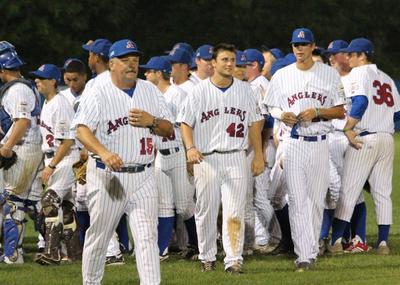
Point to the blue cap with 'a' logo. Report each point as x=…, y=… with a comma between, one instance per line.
x=302, y=35
x=48, y=71
x=99, y=47
x=123, y=47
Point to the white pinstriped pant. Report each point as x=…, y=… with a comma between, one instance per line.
x=221, y=177
x=307, y=176
x=173, y=185
x=373, y=162
x=109, y=195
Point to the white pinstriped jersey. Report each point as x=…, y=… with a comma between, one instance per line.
x=99, y=78
x=295, y=90
x=194, y=78
x=220, y=120
x=338, y=124
x=72, y=98
x=104, y=110
x=261, y=82
x=55, y=121
x=186, y=86
x=174, y=97
x=382, y=94
x=19, y=101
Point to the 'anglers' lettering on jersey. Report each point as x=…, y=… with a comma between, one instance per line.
x=112, y=127
x=306, y=95
x=43, y=125
x=205, y=116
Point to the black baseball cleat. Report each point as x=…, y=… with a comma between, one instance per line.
x=235, y=268
x=303, y=266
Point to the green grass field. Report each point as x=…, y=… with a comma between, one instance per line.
x=348, y=269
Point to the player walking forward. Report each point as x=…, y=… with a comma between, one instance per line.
x=217, y=118
x=369, y=129
x=60, y=154
x=116, y=121
x=306, y=95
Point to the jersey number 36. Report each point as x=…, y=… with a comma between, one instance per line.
x=383, y=94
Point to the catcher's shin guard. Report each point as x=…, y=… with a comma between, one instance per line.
x=71, y=232
x=52, y=212
x=13, y=225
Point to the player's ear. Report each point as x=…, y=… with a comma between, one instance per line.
x=111, y=64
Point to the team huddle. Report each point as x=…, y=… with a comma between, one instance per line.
x=218, y=152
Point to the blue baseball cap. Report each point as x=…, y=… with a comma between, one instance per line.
x=158, y=63
x=123, y=47
x=184, y=46
x=204, y=52
x=180, y=56
x=277, y=53
x=290, y=58
x=359, y=45
x=48, y=71
x=336, y=45
x=99, y=46
x=302, y=35
x=240, y=58
x=253, y=55
x=193, y=64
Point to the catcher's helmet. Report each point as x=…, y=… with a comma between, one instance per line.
x=10, y=60
x=6, y=46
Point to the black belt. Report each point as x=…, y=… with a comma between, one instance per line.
x=168, y=151
x=366, y=133
x=127, y=169
x=49, y=154
x=309, y=138
x=316, y=120
x=221, y=152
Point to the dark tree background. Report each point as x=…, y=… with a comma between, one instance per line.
x=51, y=31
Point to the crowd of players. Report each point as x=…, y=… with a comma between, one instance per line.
x=286, y=207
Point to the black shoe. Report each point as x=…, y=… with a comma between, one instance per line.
x=207, y=266
x=115, y=260
x=190, y=252
x=282, y=249
x=302, y=266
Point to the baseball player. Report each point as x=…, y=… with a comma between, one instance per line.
x=60, y=153
x=216, y=120
x=369, y=129
x=270, y=56
x=240, y=66
x=180, y=60
x=173, y=185
x=203, y=62
x=75, y=78
x=306, y=95
x=338, y=144
x=98, y=64
x=19, y=113
x=117, y=121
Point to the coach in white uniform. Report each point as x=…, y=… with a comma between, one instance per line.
x=117, y=122
x=305, y=95
x=217, y=118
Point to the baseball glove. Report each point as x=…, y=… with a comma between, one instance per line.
x=79, y=169
x=7, y=162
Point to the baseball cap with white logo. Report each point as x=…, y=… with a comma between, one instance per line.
x=48, y=71
x=99, y=46
x=302, y=35
x=123, y=47
x=336, y=45
x=204, y=52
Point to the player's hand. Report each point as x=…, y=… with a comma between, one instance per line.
x=307, y=115
x=140, y=118
x=257, y=165
x=46, y=173
x=352, y=137
x=6, y=152
x=194, y=156
x=289, y=118
x=112, y=161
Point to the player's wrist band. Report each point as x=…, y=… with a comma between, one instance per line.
x=156, y=121
x=51, y=166
x=191, y=147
